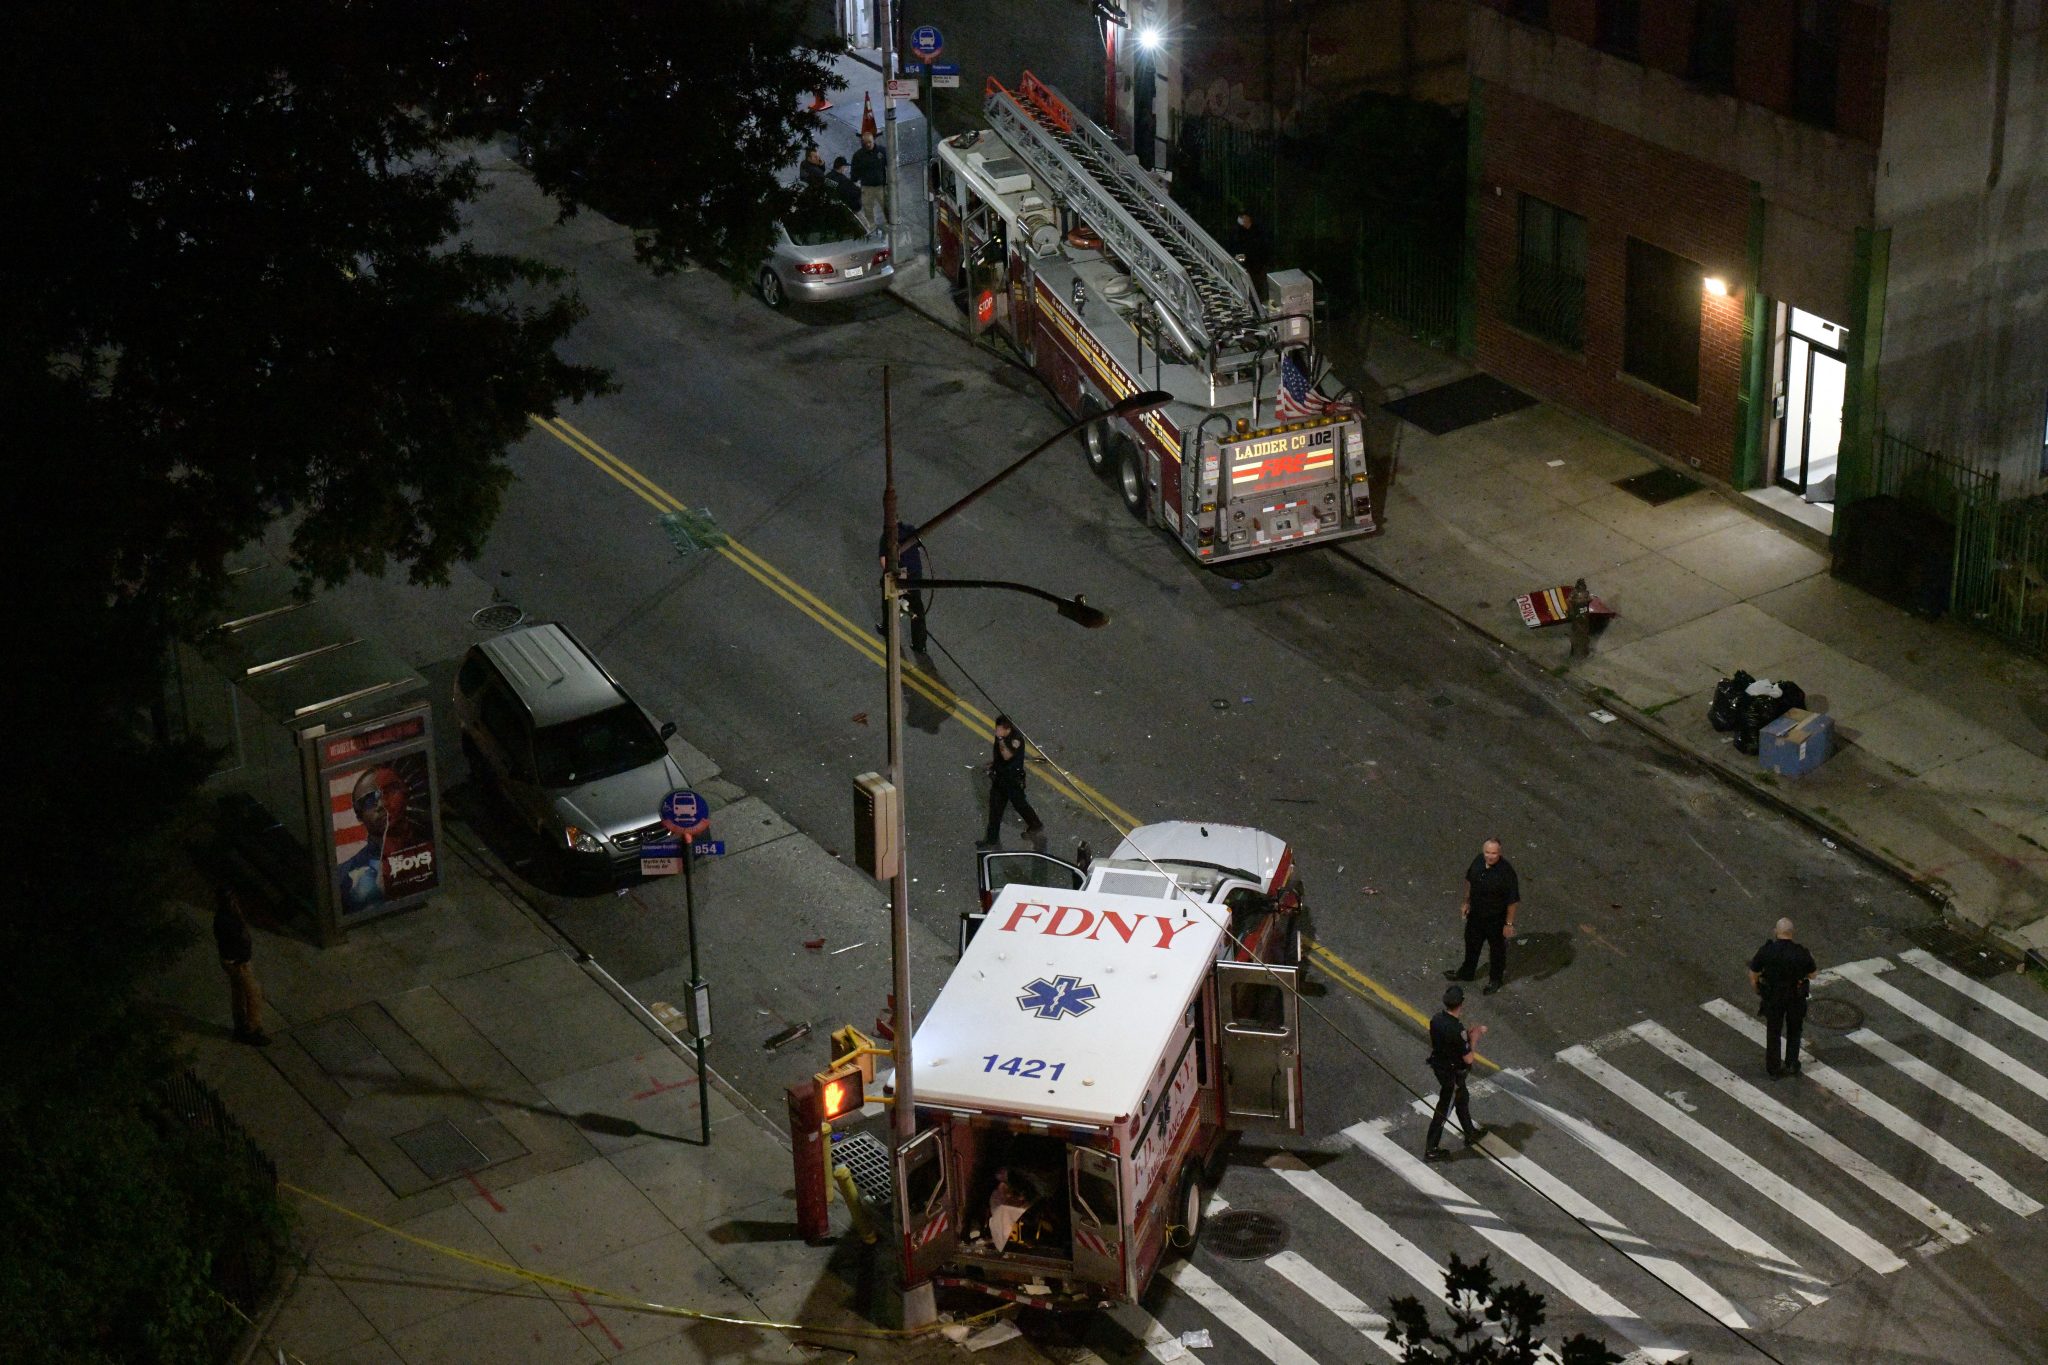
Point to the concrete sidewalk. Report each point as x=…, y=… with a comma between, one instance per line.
x=1941, y=770
x=457, y=1074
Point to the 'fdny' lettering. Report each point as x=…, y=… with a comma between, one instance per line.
x=1075, y=921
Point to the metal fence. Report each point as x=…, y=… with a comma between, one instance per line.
x=1376, y=245
x=242, y=1268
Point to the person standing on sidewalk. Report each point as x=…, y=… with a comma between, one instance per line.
x=1006, y=787
x=1452, y=1050
x=1493, y=894
x=1781, y=974
x=871, y=173
x=231, y=936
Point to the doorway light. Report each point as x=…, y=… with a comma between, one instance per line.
x=1149, y=38
x=1716, y=286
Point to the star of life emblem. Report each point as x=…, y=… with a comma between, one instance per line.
x=1057, y=998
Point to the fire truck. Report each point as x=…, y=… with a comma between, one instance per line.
x=1108, y=1029
x=1076, y=254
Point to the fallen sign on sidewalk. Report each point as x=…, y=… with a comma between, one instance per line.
x=1553, y=605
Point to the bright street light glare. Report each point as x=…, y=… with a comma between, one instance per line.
x=1148, y=38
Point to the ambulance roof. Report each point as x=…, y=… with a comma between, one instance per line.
x=1062, y=1004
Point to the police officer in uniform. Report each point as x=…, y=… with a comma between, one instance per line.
x=1492, y=896
x=1781, y=974
x=1006, y=787
x=1452, y=1050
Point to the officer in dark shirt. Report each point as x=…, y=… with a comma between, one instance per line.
x=1781, y=974
x=910, y=554
x=1452, y=1048
x=1492, y=896
x=1006, y=786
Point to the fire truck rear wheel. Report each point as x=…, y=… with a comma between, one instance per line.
x=1095, y=440
x=1130, y=476
x=1193, y=1198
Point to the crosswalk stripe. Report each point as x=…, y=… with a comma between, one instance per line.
x=1752, y=1173
x=1865, y=976
x=1859, y=1167
x=1162, y=1345
x=1952, y=1090
x=1614, y=1231
x=1369, y=1228
x=1351, y=1309
x=1688, y=1202
x=1372, y=1138
x=1977, y=991
x=1263, y=1336
x=1988, y=1181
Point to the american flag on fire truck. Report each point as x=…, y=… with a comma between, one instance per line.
x=1298, y=399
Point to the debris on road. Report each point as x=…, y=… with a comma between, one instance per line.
x=848, y=948
x=788, y=1036
x=1604, y=717
x=814, y=943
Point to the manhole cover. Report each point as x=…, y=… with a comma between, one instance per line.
x=1242, y=1235
x=441, y=1151
x=1659, y=486
x=1839, y=1015
x=1244, y=570
x=498, y=616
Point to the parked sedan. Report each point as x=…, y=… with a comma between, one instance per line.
x=824, y=253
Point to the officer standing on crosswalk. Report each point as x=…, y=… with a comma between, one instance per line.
x=1781, y=973
x=1452, y=1050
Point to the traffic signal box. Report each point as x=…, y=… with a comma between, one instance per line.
x=840, y=1089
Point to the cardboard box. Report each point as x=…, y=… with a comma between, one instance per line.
x=1796, y=742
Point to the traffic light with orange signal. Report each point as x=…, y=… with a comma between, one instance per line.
x=841, y=1091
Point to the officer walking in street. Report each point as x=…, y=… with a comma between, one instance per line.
x=1452, y=1050
x=1492, y=896
x=1781, y=974
x=1006, y=787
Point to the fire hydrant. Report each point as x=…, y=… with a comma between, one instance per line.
x=1579, y=605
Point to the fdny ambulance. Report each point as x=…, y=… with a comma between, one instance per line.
x=1097, y=1045
x=1076, y=255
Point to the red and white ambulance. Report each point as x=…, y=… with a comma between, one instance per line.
x=1091, y=1054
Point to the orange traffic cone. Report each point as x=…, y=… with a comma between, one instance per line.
x=819, y=104
x=867, y=113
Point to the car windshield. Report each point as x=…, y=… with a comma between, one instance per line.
x=596, y=746
x=818, y=220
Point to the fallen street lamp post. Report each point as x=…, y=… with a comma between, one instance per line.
x=917, y=1306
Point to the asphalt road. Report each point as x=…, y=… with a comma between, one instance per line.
x=1321, y=702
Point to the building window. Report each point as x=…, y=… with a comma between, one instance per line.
x=1661, y=342
x=1550, y=273
x=1713, y=44
x=1616, y=25
x=1816, y=57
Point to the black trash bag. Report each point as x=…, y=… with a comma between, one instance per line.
x=1725, y=712
x=1759, y=711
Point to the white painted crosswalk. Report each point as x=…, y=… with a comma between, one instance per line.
x=1654, y=1186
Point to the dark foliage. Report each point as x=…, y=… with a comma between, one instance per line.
x=1490, y=1323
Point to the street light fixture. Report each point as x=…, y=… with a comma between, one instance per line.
x=917, y=1307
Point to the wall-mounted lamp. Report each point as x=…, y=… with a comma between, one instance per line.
x=1715, y=285
x=1149, y=38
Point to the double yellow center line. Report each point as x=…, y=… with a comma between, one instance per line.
x=919, y=681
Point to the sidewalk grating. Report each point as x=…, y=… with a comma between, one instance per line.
x=441, y=1151
x=1659, y=485
x=1460, y=403
x=868, y=1161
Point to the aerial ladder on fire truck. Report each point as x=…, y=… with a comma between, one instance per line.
x=1202, y=293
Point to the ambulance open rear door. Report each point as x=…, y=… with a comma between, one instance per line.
x=924, y=1195
x=1259, y=1039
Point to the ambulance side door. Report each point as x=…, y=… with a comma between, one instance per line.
x=924, y=1204
x=1258, y=1041
x=1096, y=1200
x=996, y=869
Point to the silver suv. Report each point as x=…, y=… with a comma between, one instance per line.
x=579, y=761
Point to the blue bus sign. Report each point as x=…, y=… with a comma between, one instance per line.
x=926, y=42
x=685, y=813
x=709, y=848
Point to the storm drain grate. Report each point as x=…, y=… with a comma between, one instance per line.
x=441, y=1151
x=339, y=1046
x=1960, y=951
x=868, y=1160
x=1243, y=1235
x=1838, y=1015
x=1659, y=486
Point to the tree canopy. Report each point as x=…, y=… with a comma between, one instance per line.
x=1490, y=1323
x=237, y=295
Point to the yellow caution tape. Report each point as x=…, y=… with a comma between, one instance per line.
x=640, y=1305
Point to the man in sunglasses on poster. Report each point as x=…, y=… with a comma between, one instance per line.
x=397, y=859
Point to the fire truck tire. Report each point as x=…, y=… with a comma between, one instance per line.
x=770, y=289
x=1096, y=440
x=1130, y=476
x=1191, y=1197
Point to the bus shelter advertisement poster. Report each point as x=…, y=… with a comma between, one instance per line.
x=380, y=802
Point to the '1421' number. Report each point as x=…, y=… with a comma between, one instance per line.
x=1028, y=1068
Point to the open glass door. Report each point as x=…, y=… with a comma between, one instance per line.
x=1260, y=1041
x=924, y=1204
x=1095, y=1192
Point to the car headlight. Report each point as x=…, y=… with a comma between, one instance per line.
x=582, y=840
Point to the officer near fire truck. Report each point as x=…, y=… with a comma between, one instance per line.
x=1006, y=787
